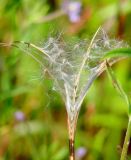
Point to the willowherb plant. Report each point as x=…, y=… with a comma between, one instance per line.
x=73, y=65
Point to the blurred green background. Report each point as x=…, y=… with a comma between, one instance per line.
x=32, y=115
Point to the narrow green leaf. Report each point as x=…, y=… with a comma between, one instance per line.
x=120, y=52
x=118, y=86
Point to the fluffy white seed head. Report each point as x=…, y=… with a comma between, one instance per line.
x=73, y=64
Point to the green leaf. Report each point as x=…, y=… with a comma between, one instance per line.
x=120, y=52
x=118, y=86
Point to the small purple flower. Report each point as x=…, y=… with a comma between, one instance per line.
x=80, y=153
x=19, y=116
x=72, y=9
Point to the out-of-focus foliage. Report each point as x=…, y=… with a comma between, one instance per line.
x=32, y=114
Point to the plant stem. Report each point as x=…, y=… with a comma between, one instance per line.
x=72, y=123
x=71, y=130
x=126, y=141
x=119, y=88
x=72, y=149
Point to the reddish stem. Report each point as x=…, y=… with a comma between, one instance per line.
x=71, y=129
x=72, y=149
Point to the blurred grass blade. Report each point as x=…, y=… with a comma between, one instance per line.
x=120, y=52
x=118, y=86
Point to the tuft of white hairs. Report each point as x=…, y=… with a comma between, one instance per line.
x=73, y=64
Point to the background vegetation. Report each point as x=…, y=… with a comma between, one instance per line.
x=32, y=114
